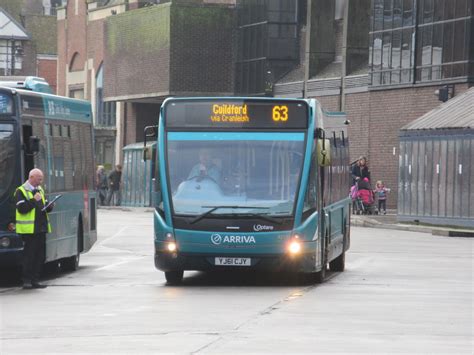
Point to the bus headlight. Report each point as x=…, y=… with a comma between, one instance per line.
x=171, y=246
x=5, y=242
x=295, y=246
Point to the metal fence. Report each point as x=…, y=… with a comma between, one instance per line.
x=436, y=177
x=137, y=176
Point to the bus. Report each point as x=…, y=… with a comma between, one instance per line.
x=54, y=134
x=250, y=183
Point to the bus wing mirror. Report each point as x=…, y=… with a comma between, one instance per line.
x=147, y=153
x=33, y=144
x=323, y=149
x=148, y=132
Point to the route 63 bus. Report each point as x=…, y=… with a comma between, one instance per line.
x=250, y=183
x=55, y=134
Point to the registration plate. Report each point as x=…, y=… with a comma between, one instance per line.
x=232, y=261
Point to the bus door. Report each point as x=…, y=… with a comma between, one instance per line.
x=28, y=154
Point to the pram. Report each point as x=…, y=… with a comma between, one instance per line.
x=362, y=198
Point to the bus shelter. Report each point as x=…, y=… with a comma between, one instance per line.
x=137, y=175
x=436, y=171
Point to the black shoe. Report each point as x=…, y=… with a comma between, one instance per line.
x=37, y=285
x=27, y=285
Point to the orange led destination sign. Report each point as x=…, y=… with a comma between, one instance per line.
x=229, y=113
x=245, y=114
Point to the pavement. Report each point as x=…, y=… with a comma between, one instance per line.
x=388, y=221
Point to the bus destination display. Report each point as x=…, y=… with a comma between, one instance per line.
x=237, y=114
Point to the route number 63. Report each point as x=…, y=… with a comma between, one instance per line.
x=280, y=113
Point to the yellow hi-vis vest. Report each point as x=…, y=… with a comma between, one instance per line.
x=25, y=222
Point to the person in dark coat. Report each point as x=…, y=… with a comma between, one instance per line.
x=101, y=185
x=360, y=170
x=115, y=178
x=32, y=224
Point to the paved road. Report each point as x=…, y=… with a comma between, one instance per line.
x=401, y=292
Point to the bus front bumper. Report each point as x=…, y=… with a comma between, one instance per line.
x=166, y=261
x=11, y=255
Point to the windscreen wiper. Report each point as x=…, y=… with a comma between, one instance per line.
x=257, y=215
x=214, y=208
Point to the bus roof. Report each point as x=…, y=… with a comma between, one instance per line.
x=52, y=106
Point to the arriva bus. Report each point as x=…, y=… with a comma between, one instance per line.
x=251, y=183
x=54, y=134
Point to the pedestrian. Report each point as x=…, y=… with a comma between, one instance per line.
x=115, y=178
x=101, y=185
x=360, y=170
x=32, y=224
x=381, y=193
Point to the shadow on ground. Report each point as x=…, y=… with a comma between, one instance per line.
x=238, y=278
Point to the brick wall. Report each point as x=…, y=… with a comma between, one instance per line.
x=47, y=68
x=62, y=57
x=137, y=52
x=376, y=118
x=357, y=109
x=329, y=103
x=202, y=50
x=389, y=110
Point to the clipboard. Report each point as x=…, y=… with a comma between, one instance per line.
x=57, y=197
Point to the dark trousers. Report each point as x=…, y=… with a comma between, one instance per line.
x=383, y=205
x=33, y=256
x=114, y=198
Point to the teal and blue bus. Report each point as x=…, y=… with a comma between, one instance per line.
x=251, y=183
x=54, y=134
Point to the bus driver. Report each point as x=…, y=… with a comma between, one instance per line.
x=205, y=167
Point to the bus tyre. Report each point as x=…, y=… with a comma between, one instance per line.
x=174, y=277
x=72, y=263
x=338, y=264
x=320, y=276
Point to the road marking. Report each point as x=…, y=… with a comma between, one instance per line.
x=111, y=266
x=114, y=236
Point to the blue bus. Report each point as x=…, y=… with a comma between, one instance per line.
x=251, y=183
x=54, y=134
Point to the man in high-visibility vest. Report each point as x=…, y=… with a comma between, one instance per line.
x=32, y=223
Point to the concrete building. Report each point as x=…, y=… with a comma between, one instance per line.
x=414, y=48
x=128, y=56
x=28, y=39
x=380, y=61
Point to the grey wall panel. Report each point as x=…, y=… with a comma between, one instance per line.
x=450, y=176
x=471, y=178
x=414, y=178
x=436, y=174
x=443, y=175
x=429, y=173
x=421, y=166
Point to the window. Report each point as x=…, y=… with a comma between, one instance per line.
x=105, y=111
x=439, y=34
x=311, y=196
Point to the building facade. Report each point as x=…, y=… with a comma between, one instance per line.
x=28, y=39
x=415, y=47
x=126, y=57
x=380, y=61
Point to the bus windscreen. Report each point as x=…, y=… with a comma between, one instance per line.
x=232, y=114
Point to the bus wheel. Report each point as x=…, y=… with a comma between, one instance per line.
x=72, y=263
x=338, y=264
x=320, y=276
x=174, y=277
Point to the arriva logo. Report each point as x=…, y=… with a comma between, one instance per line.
x=261, y=227
x=217, y=239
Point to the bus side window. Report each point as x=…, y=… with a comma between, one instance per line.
x=311, y=196
x=157, y=193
